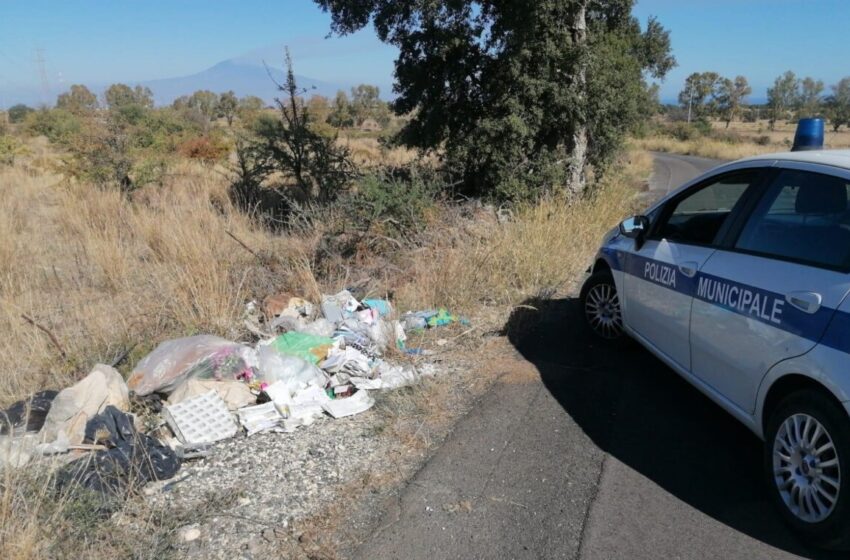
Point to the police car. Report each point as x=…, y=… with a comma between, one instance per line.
x=739, y=281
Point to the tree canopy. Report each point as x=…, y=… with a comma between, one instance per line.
x=515, y=92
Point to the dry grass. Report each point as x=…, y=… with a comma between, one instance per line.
x=540, y=251
x=103, y=273
x=740, y=140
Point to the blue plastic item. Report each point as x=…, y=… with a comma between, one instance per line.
x=809, y=135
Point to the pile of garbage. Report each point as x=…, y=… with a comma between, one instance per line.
x=310, y=362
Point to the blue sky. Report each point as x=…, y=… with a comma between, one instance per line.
x=99, y=41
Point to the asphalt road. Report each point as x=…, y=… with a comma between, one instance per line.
x=588, y=451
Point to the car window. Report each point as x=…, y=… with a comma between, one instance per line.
x=698, y=217
x=802, y=216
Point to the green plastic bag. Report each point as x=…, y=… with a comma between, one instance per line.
x=305, y=346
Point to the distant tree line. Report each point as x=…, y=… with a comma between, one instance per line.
x=708, y=94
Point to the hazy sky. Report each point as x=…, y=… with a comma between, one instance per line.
x=99, y=41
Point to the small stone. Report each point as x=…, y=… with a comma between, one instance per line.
x=188, y=534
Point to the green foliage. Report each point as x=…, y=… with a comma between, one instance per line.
x=504, y=85
x=729, y=96
x=837, y=104
x=78, y=100
x=288, y=145
x=9, y=149
x=226, y=106
x=121, y=95
x=340, y=115
x=17, y=113
x=395, y=204
x=809, y=98
x=782, y=97
x=249, y=110
x=698, y=95
x=58, y=125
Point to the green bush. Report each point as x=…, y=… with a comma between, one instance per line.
x=58, y=125
x=394, y=204
x=9, y=148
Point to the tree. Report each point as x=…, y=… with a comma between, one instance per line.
x=510, y=89
x=79, y=100
x=837, y=104
x=205, y=102
x=288, y=145
x=250, y=108
x=341, y=111
x=121, y=95
x=320, y=109
x=729, y=96
x=698, y=95
x=17, y=113
x=809, y=97
x=227, y=105
x=364, y=102
x=782, y=96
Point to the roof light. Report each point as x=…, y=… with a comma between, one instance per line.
x=809, y=135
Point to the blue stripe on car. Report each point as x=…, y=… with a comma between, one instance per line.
x=761, y=305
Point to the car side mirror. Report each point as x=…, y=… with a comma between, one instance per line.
x=635, y=227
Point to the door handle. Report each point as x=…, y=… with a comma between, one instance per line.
x=808, y=302
x=689, y=268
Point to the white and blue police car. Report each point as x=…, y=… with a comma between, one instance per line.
x=739, y=281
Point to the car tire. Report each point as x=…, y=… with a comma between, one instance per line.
x=802, y=424
x=600, y=306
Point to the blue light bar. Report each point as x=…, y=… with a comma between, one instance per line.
x=809, y=135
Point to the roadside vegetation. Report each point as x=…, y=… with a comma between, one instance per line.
x=123, y=224
x=714, y=120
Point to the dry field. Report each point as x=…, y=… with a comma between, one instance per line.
x=88, y=275
x=739, y=140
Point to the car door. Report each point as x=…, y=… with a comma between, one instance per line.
x=662, y=270
x=770, y=293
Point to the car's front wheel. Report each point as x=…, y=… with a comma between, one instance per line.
x=807, y=465
x=601, y=305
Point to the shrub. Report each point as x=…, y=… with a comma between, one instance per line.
x=206, y=149
x=9, y=148
x=394, y=203
x=58, y=125
x=17, y=113
x=763, y=140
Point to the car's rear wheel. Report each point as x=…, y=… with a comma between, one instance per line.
x=601, y=305
x=807, y=466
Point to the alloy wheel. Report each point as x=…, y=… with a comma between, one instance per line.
x=602, y=308
x=806, y=468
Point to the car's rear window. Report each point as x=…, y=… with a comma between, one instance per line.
x=803, y=216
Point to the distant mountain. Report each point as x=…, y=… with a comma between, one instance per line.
x=244, y=78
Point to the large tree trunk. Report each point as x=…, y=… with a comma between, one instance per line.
x=578, y=141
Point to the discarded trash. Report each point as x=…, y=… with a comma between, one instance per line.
x=201, y=419
x=259, y=418
x=280, y=395
x=287, y=305
x=382, y=306
x=308, y=347
x=349, y=361
x=27, y=415
x=441, y=318
x=202, y=357
x=319, y=327
x=235, y=394
x=130, y=460
x=306, y=407
x=293, y=370
x=340, y=408
x=73, y=407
